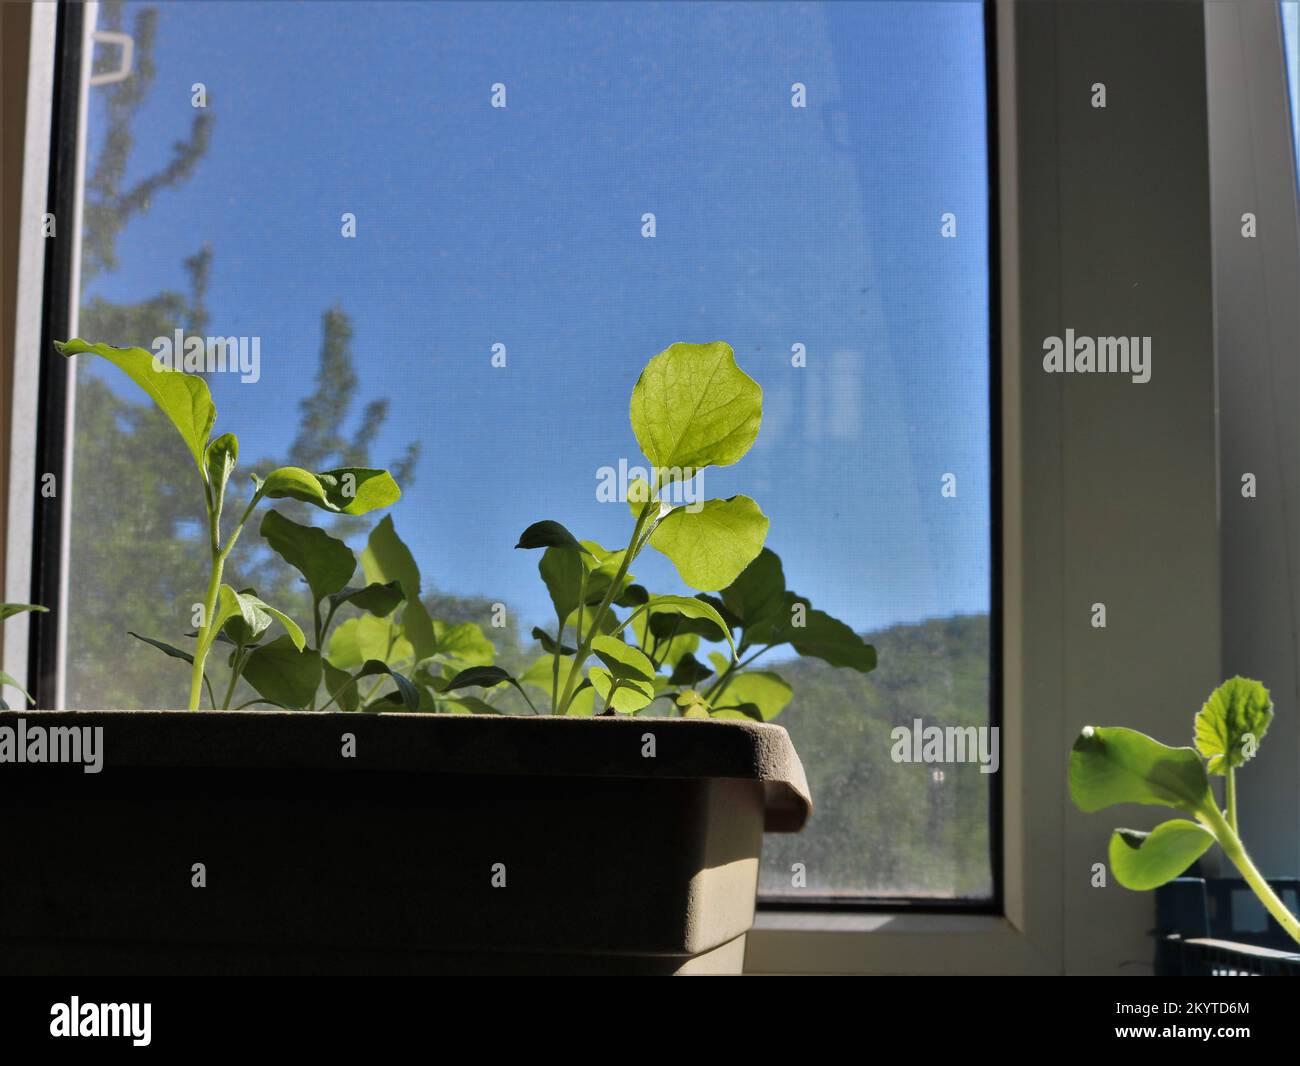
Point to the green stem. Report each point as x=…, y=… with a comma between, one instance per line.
x=1230, y=797
x=1236, y=851
x=201, y=647
x=555, y=660
x=720, y=686
x=207, y=634
x=584, y=647
x=236, y=669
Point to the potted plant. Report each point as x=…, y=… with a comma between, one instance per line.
x=614, y=824
x=1111, y=764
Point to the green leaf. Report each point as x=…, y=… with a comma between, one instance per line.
x=602, y=566
x=8, y=610
x=386, y=558
x=231, y=604
x=5, y=679
x=471, y=705
x=630, y=694
x=539, y=674
x=340, y=685
x=758, y=595
x=482, y=676
x=548, y=643
x=826, y=638
x=368, y=637
x=693, y=407
x=347, y=490
x=169, y=649
x=548, y=534
x=284, y=674
x=1234, y=718
x=632, y=596
x=1142, y=861
x=325, y=561
x=219, y=461
x=463, y=644
x=410, y=695
x=562, y=572
x=693, y=704
x=183, y=398
x=702, y=618
x=624, y=661
x=1111, y=764
x=710, y=547
x=765, y=693
x=689, y=671
x=379, y=600
x=254, y=619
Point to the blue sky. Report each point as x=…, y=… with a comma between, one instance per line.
x=475, y=226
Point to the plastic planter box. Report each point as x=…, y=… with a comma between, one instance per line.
x=445, y=844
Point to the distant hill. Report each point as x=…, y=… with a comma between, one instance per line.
x=878, y=826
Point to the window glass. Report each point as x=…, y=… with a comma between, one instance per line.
x=334, y=182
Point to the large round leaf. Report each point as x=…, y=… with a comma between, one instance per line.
x=710, y=547
x=1111, y=764
x=693, y=407
x=1144, y=861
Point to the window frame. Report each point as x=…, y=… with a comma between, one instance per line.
x=1042, y=927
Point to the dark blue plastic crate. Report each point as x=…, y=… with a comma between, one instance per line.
x=1216, y=927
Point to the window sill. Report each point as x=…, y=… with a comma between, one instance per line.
x=803, y=942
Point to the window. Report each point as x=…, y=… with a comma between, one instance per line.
x=809, y=182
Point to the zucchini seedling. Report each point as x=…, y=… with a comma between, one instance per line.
x=1111, y=764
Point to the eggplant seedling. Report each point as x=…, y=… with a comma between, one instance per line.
x=239, y=617
x=691, y=408
x=1110, y=764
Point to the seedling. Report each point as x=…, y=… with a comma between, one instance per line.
x=1110, y=765
x=691, y=408
x=7, y=610
x=240, y=617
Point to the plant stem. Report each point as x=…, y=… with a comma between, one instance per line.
x=720, y=686
x=1236, y=851
x=201, y=647
x=1230, y=797
x=207, y=635
x=235, y=670
x=555, y=660
x=584, y=648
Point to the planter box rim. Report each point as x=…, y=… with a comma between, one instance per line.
x=401, y=742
